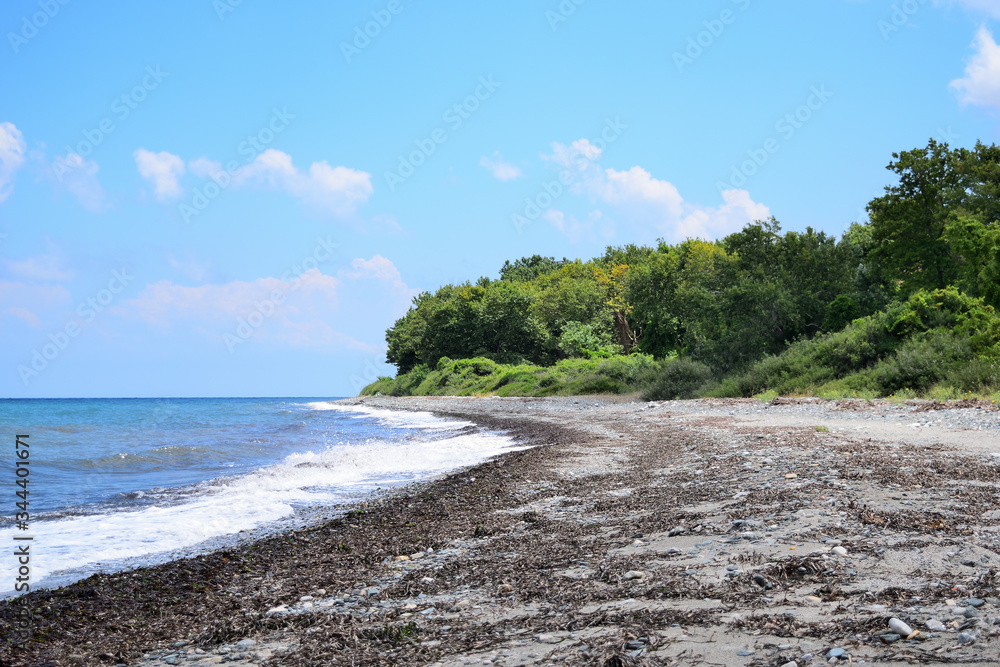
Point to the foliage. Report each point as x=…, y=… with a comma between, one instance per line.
x=905, y=302
x=676, y=378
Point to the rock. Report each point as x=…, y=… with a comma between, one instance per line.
x=790, y=663
x=633, y=574
x=634, y=645
x=305, y=598
x=179, y=644
x=969, y=563
x=276, y=610
x=744, y=654
x=890, y=638
x=971, y=613
x=399, y=558
x=967, y=637
x=975, y=602
x=840, y=551
x=175, y=660
x=760, y=580
x=836, y=653
x=417, y=556
x=899, y=627
x=246, y=643
x=935, y=625
x=547, y=639
x=677, y=530
x=791, y=475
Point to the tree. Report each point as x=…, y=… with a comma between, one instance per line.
x=909, y=221
x=529, y=268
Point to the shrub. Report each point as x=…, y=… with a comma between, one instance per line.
x=680, y=378
x=922, y=361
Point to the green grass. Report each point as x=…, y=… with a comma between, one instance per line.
x=484, y=377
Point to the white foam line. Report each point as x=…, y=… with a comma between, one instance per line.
x=396, y=418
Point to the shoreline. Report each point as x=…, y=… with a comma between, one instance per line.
x=572, y=550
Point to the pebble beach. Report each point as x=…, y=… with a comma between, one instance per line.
x=728, y=532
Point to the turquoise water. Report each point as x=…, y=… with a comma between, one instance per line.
x=118, y=479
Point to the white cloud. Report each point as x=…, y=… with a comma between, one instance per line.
x=335, y=190
x=981, y=84
x=25, y=316
x=204, y=168
x=711, y=223
x=639, y=198
x=501, y=170
x=989, y=7
x=12, y=149
x=311, y=310
x=24, y=301
x=161, y=170
x=161, y=303
x=41, y=267
x=78, y=176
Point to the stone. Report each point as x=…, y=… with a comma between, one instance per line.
x=744, y=654
x=840, y=551
x=791, y=475
x=790, y=663
x=935, y=625
x=547, y=639
x=975, y=602
x=966, y=637
x=836, y=653
x=760, y=580
x=677, y=530
x=899, y=627
x=633, y=574
x=889, y=638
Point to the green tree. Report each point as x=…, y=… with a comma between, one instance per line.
x=909, y=221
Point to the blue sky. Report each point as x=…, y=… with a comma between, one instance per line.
x=222, y=198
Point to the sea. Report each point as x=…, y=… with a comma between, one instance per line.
x=118, y=483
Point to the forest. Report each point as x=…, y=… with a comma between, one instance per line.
x=903, y=305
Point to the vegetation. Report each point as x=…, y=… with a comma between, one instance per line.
x=902, y=305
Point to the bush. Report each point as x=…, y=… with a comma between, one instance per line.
x=923, y=361
x=680, y=378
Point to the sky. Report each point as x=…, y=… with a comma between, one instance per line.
x=237, y=198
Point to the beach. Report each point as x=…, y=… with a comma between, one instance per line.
x=727, y=532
